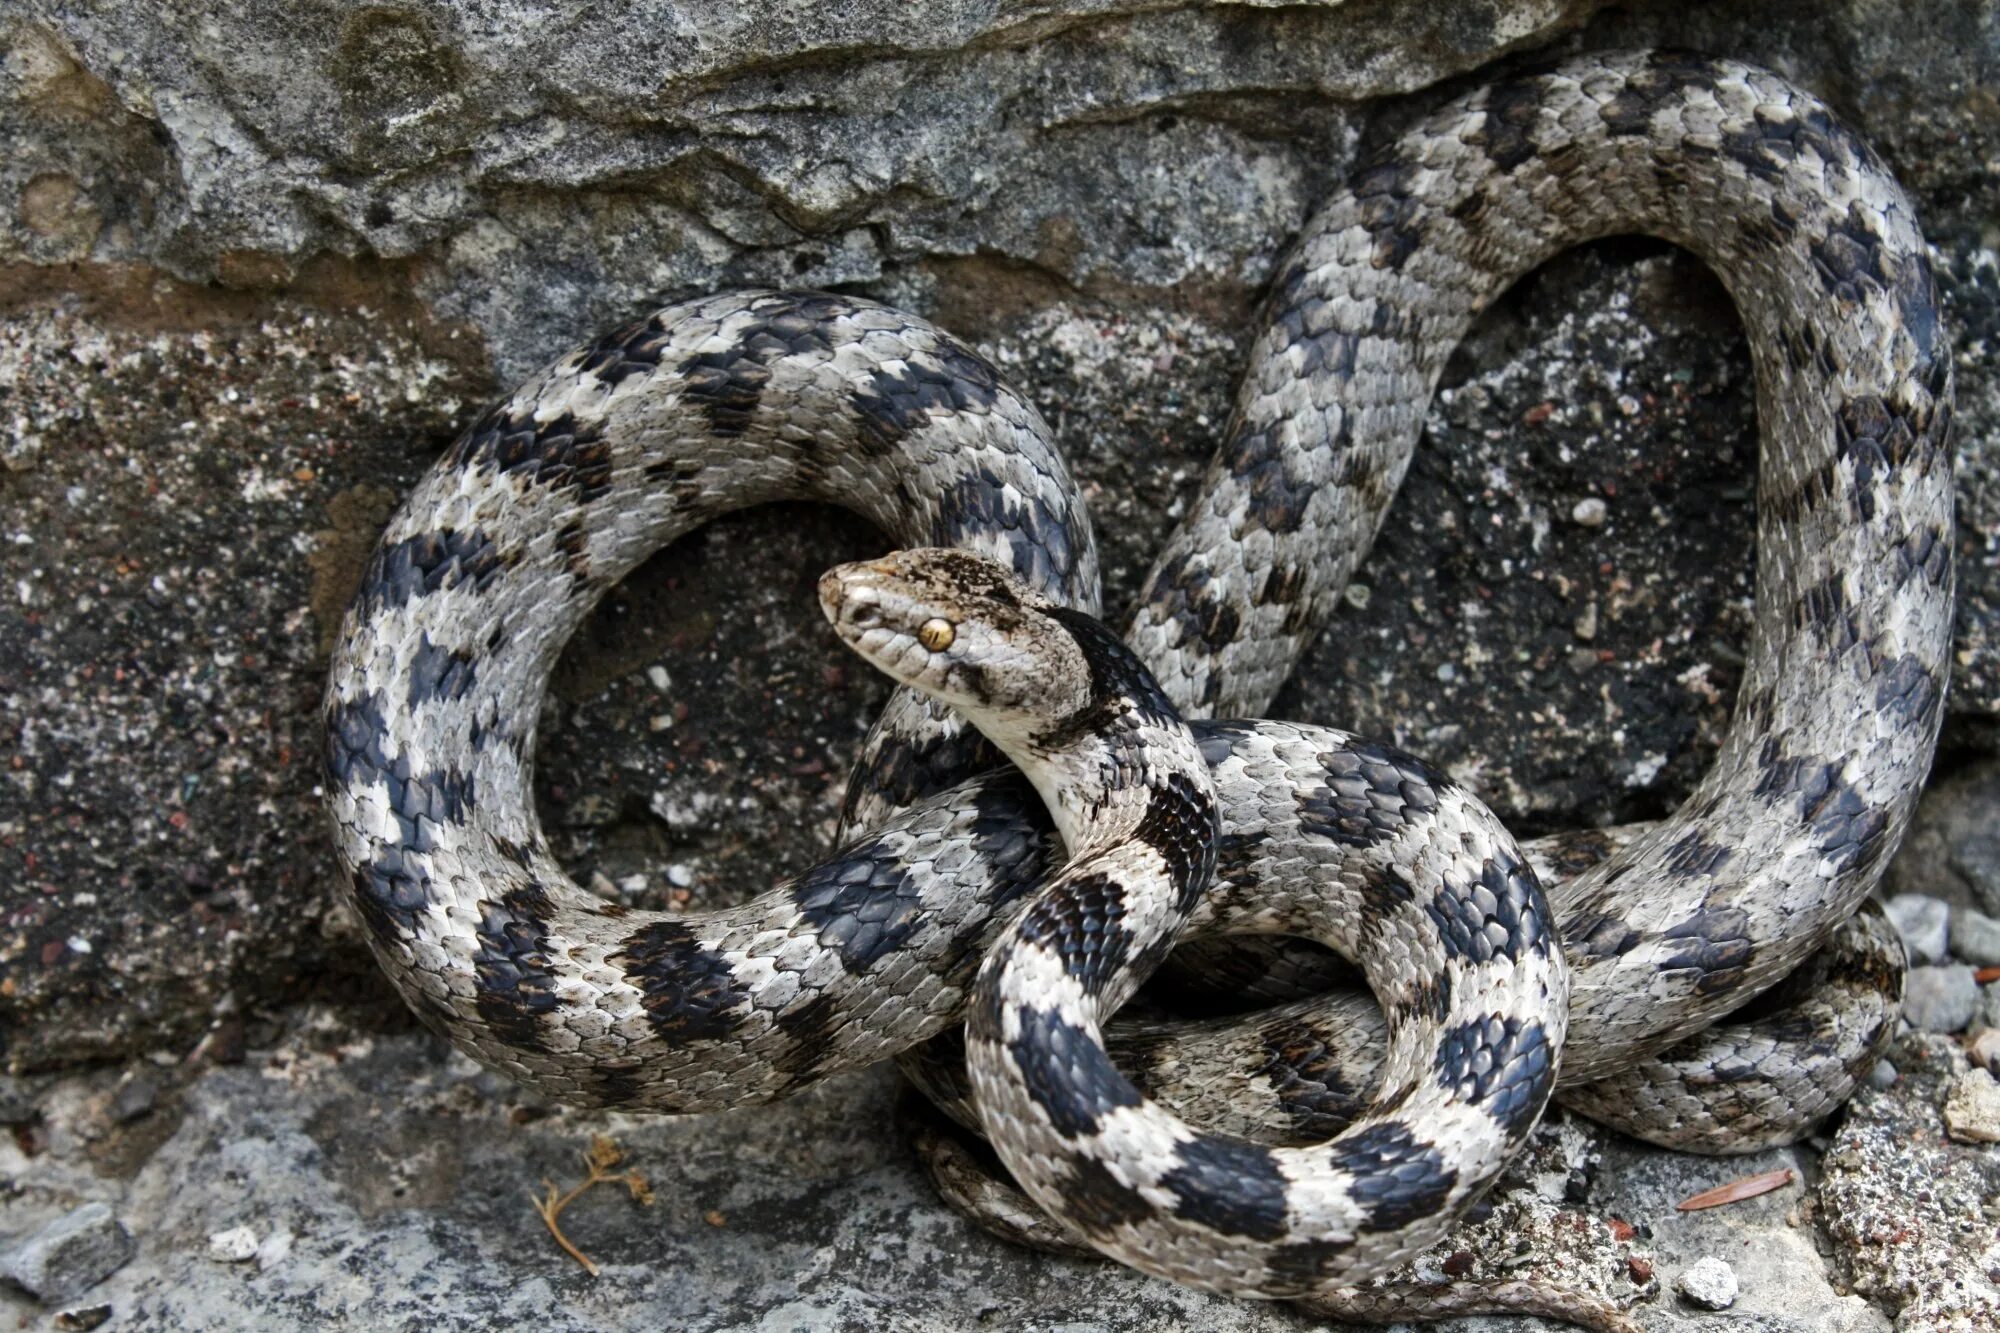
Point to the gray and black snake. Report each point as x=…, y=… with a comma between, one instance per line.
x=555, y=494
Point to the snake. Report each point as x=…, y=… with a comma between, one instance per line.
x=626, y=443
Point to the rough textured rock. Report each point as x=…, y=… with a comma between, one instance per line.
x=70, y=1255
x=340, y=1177
x=1975, y=937
x=263, y=259
x=1940, y=999
x=1707, y=1284
x=1923, y=922
x=1953, y=849
x=1909, y=1213
x=259, y=261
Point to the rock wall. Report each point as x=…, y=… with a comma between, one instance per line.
x=260, y=261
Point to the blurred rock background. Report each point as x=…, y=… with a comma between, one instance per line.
x=260, y=261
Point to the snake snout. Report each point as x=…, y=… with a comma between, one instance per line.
x=849, y=595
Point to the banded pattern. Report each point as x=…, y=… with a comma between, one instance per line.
x=742, y=398
x=1462, y=953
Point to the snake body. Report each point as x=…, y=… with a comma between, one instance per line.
x=625, y=444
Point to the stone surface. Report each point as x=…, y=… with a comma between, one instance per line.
x=1908, y=1213
x=374, y=1178
x=1923, y=922
x=1975, y=937
x=70, y=1255
x=1953, y=848
x=1707, y=1284
x=293, y=251
x=1972, y=1109
x=1940, y=999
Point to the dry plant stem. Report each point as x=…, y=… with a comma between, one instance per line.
x=601, y=1156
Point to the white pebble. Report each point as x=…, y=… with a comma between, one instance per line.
x=658, y=678
x=1708, y=1283
x=234, y=1246
x=679, y=875
x=1972, y=1109
x=1590, y=512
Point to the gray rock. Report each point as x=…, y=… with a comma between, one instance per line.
x=1923, y=922
x=71, y=1255
x=1707, y=1284
x=1940, y=999
x=1972, y=1108
x=1953, y=847
x=295, y=255
x=1975, y=937
x=1898, y=1203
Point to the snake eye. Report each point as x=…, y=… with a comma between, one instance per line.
x=936, y=634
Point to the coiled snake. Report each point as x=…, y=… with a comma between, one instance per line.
x=738, y=399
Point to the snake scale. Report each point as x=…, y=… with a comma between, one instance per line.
x=951, y=904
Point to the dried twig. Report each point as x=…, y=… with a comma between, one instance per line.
x=601, y=1156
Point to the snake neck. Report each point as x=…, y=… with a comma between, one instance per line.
x=1101, y=762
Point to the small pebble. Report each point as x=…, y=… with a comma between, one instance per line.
x=1585, y=627
x=234, y=1246
x=1883, y=1076
x=1972, y=1109
x=1590, y=512
x=72, y=1254
x=1709, y=1284
x=1985, y=1049
x=135, y=1096
x=1975, y=938
x=1923, y=922
x=1940, y=999
x=679, y=875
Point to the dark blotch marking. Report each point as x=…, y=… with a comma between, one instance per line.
x=727, y=384
x=1065, y=1073
x=1120, y=686
x=419, y=800
x=631, y=349
x=864, y=904
x=1397, y=1180
x=1845, y=827
x=1512, y=109
x=811, y=1025
x=1182, y=825
x=1714, y=942
x=1040, y=542
x=516, y=985
x=1504, y=1065
x=426, y=563
x=1695, y=856
x=444, y=674
x=1231, y=1187
x=688, y=992
x=1098, y=1201
x=895, y=402
x=1910, y=689
x=560, y=453
x=1196, y=604
x=1307, y=1078
x=1598, y=934
x=1498, y=915
x=1370, y=795
x=1080, y=923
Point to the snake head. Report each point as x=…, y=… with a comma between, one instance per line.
x=962, y=629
